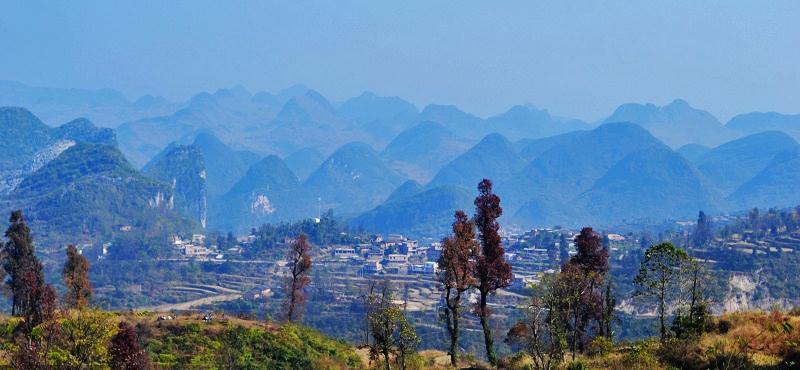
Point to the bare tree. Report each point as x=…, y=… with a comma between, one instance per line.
x=299, y=265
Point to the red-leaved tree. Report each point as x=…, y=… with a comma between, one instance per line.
x=492, y=270
x=125, y=352
x=456, y=272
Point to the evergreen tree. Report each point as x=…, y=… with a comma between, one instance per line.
x=703, y=231
x=492, y=270
x=658, y=277
x=29, y=295
x=76, y=279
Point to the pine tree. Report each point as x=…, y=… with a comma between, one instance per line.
x=29, y=293
x=492, y=270
x=703, y=231
x=76, y=279
x=658, y=275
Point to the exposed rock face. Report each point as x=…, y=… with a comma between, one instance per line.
x=183, y=167
x=262, y=205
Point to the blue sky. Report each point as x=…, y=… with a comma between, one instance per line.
x=578, y=59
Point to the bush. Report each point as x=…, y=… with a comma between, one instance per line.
x=732, y=356
x=641, y=356
x=577, y=365
x=791, y=357
x=723, y=326
x=601, y=346
x=683, y=354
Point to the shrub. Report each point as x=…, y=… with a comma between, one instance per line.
x=601, y=346
x=641, y=356
x=723, y=326
x=577, y=365
x=683, y=354
x=727, y=355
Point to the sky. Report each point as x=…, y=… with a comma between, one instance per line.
x=578, y=59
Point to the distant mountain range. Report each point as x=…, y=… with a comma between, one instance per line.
x=233, y=159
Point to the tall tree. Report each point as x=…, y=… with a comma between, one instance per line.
x=299, y=258
x=492, y=270
x=76, y=278
x=125, y=352
x=19, y=261
x=456, y=270
x=658, y=277
x=693, y=320
x=703, y=231
x=590, y=266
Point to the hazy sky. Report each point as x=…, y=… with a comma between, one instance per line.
x=579, y=59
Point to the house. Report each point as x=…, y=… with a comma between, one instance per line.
x=397, y=258
x=344, y=252
x=428, y=268
x=198, y=238
x=373, y=267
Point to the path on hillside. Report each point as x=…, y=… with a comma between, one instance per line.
x=188, y=305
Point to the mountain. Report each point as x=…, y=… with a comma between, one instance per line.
x=755, y=122
x=528, y=122
x=106, y=107
x=88, y=192
x=407, y=189
x=775, y=185
x=28, y=144
x=224, y=166
x=676, y=124
x=268, y=192
x=566, y=170
x=182, y=167
x=653, y=184
x=230, y=114
x=420, y=151
x=493, y=157
x=692, y=152
x=457, y=121
x=353, y=178
x=382, y=117
x=306, y=121
x=529, y=149
x=304, y=161
x=731, y=164
x=429, y=213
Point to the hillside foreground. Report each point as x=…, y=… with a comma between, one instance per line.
x=741, y=340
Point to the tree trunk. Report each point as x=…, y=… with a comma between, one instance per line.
x=661, y=312
x=575, y=331
x=487, y=332
x=454, y=335
x=386, y=358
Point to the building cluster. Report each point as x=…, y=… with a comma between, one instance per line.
x=195, y=247
x=394, y=254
